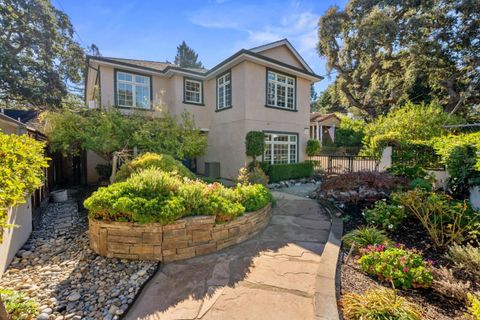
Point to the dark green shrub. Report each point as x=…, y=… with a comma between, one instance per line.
x=254, y=144
x=385, y=216
x=313, y=147
x=407, y=171
x=279, y=172
x=422, y=184
x=148, y=160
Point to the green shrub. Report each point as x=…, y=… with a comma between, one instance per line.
x=350, y=132
x=254, y=144
x=253, y=197
x=153, y=195
x=465, y=258
x=365, y=236
x=313, y=147
x=254, y=175
x=473, y=306
x=385, y=216
x=422, y=184
x=407, y=171
x=147, y=160
x=446, y=220
x=379, y=304
x=279, y=172
x=19, y=306
x=404, y=268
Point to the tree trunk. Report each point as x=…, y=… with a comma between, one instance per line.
x=3, y=311
x=114, y=167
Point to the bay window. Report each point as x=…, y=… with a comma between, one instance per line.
x=280, y=90
x=280, y=148
x=132, y=90
x=224, y=91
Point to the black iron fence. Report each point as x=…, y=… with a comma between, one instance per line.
x=343, y=163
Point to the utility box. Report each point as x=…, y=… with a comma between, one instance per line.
x=212, y=169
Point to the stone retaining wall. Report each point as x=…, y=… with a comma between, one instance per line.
x=186, y=238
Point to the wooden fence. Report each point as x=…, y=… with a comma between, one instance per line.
x=342, y=164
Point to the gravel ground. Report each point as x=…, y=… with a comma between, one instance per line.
x=69, y=281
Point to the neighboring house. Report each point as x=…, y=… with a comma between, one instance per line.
x=322, y=127
x=25, y=215
x=266, y=88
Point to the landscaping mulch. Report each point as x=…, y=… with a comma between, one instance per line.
x=412, y=235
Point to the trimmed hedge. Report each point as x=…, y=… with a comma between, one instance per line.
x=279, y=172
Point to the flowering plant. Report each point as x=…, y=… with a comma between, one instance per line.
x=403, y=267
x=386, y=216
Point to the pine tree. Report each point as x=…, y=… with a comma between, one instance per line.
x=186, y=57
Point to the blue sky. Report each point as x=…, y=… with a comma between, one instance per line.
x=152, y=30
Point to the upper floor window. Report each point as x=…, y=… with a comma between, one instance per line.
x=224, y=91
x=133, y=90
x=280, y=90
x=193, y=91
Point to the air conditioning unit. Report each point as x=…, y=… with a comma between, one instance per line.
x=212, y=169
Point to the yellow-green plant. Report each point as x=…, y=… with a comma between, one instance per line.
x=18, y=305
x=365, y=236
x=473, y=306
x=379, y=304
x=465, y=258
x=22, y=162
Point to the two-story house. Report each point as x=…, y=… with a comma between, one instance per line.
x=266, y=88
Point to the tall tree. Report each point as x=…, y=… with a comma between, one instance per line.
x=186, y=57
x=38, y=55
x=389, y=51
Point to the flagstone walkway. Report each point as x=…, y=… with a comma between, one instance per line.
x=274, y=275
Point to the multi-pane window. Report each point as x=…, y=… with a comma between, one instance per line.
x=133, y=90
x=280, y=90
x=280, y=148
x=193, y=91
x=224, y=91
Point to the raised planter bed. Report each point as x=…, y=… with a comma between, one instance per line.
x=186, y=238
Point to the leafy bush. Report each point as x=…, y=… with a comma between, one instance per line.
x=466, y=259
x=313, y=147
x=350, y=132
x=253, y=197
x=422, y=184
x=386, y=216
x=153, y=195
x=280, y=172
x=19, y=306
x=254, y=144
x=253, y=175
x=378, y=304
x=473, y=306
x=446, y=284
x=365, y=236
x=408, y=171
x=446, y=220
x=21, y=171
x=404, y=268
x=148, y=160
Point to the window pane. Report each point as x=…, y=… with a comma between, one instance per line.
x=142, y=97
x=142, y=79
x=271, y=94
x=271, y=75
x=293, y=153
x=268, y=153
x=280, y=95
x=220, y=97
x=125, y=94
x=228, y=95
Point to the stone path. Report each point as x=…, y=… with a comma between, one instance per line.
x=272, y=276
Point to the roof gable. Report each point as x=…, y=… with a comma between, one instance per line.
x=283, y=50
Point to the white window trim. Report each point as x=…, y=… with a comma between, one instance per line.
x=133, y=83
x=273, y=143
x=286, y=85
x=223, y=87
x=185, y=91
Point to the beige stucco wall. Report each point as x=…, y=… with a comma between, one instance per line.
x=283, y=54
x=93, y=160
x=14, y=238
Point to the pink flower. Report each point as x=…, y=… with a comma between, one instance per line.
x=380, y=248
x=405, y=269
x=431, y=262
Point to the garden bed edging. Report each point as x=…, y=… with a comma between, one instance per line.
x=185, y=238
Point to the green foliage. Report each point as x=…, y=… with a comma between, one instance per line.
x=108, y=131
x=350, y=132
x=19, y=306
x=254, y=144
x=365, y=236
x=21, y=170
x=186, y=57
x=410, y=172
x=422, y=184
x=446, y=220
x=379, y=304
x=402, y=267
x=153, y=195
x=38, y=54
x=252, y=175
x=280, y=172
x=254, y=197
x=313, y=147
x=385, y=216
x=461, y=156
x=466, y=259
x=147, y=160
x=473, y=306
x=406, y=124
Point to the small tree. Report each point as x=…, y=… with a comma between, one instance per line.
x=187, y=57
x=255, y=144
x=313, y=147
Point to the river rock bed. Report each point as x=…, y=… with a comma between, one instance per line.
x=57, y=268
